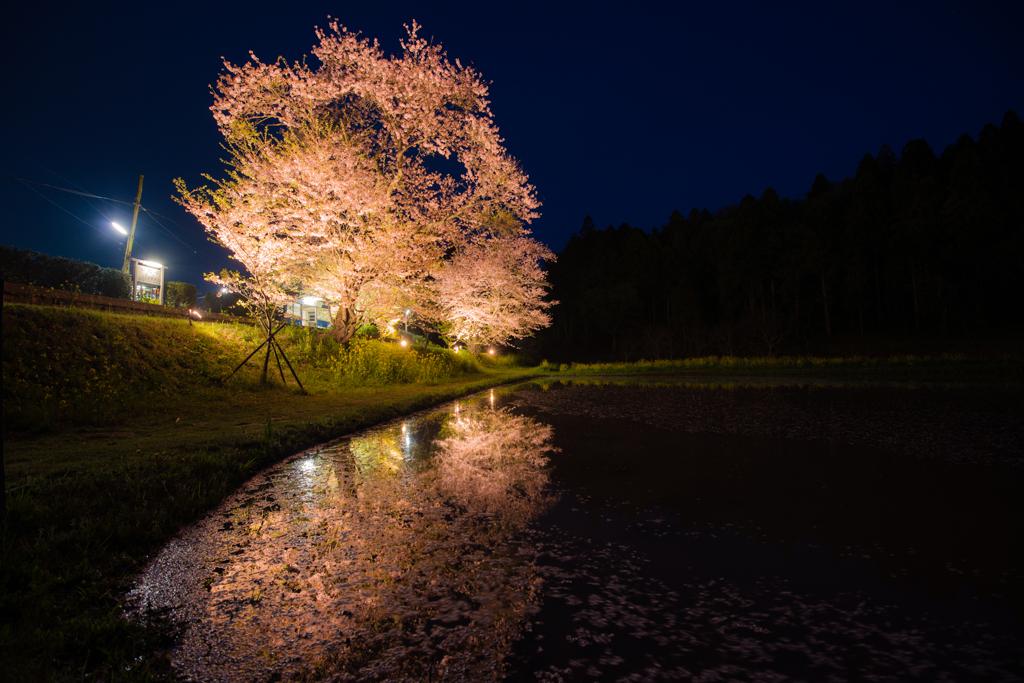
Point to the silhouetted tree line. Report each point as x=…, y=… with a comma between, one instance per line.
x=919, y=243
x=28, y=267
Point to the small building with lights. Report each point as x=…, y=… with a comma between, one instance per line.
x=308, y=311
x=148, y=280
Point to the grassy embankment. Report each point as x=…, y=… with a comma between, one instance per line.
x=117, y=432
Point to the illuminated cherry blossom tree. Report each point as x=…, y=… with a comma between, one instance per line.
x=365, y=170
x=492, y=291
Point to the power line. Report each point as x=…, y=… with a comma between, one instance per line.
x=109, y=199
x=64, y=189
x=76, y=217
x=67, y=180
x=154, y=214
x=80, y=193
x=73, y=215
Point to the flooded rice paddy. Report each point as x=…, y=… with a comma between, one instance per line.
x=623, y=531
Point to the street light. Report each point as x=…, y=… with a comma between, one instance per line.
x=119, y=228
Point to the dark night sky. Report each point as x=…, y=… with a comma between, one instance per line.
x=624, y=111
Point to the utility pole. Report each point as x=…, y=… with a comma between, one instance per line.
x=131, y=235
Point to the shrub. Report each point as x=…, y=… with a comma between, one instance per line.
x=309, y=346
x=29, y=267
x=501, y=361
x=181, y=295
x=466, y=362
x=369, y=362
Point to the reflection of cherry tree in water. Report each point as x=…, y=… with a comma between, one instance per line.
x=450, y=585
x=493, y=463
x=366, y=561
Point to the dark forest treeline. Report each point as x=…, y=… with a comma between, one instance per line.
x=925, y=244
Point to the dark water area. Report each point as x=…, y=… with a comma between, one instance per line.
x=766, y=532
x=623, y=530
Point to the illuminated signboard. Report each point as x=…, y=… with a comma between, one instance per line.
x=148, y=275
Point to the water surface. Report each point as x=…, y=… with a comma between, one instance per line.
x=623, y=531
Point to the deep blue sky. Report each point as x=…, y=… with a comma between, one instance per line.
x=624, y=111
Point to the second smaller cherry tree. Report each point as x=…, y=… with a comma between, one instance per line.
x=492, y=291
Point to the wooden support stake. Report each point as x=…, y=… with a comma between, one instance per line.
x=269, y=339
x=277, y=359
x=292, y=370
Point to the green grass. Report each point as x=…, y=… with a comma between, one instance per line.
x=118, y=432
x=941, y=367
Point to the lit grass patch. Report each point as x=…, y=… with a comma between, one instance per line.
x=72, y=366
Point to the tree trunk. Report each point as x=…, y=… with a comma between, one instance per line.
x=913, y=282
x=266, y=364
x=344, y=324
x=798, y=309
x=775, y=317
x=824, y=299
x=888, y=299
x=878, y=296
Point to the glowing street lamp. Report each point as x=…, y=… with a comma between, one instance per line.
x=403, y=342
x=491, y=351
x=119, y=228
